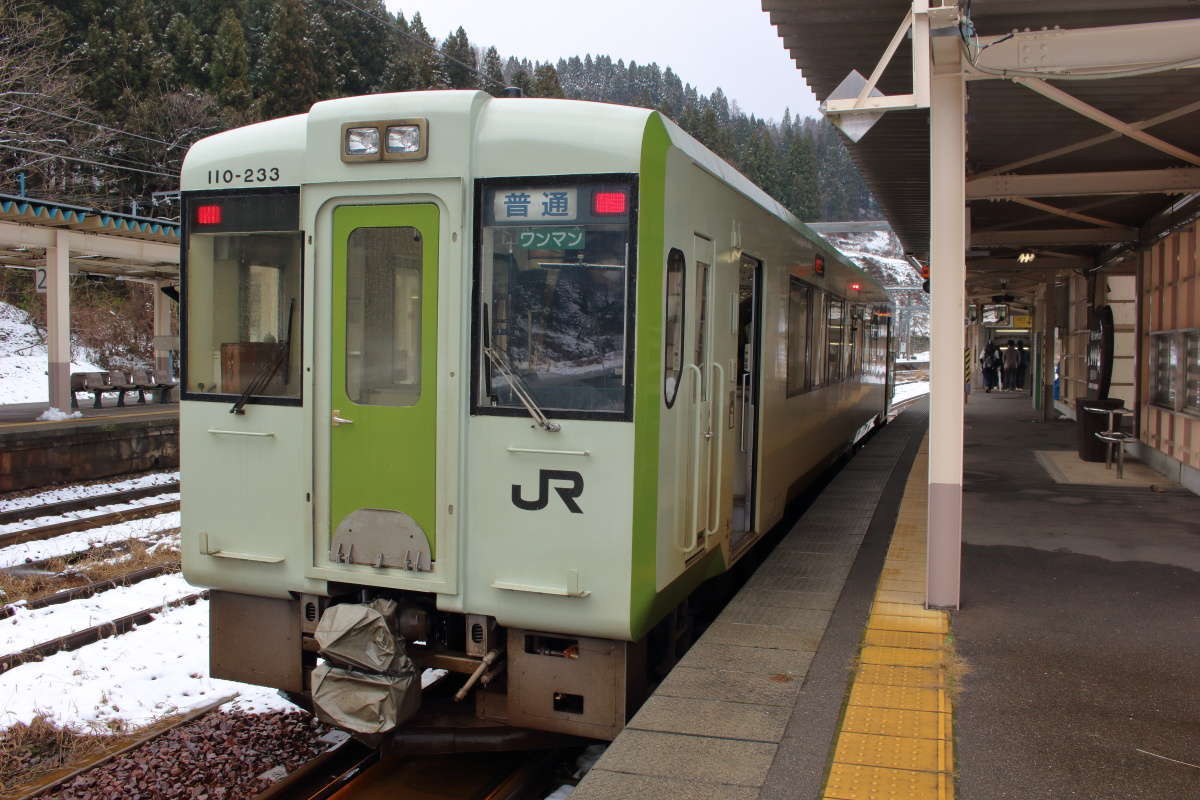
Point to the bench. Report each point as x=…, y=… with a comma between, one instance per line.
x=100, y=383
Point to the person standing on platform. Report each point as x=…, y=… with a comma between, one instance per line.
x=989, y=362
x=1023, y=366
x=1012, y=363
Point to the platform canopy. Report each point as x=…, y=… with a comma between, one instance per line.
x=1008, y=141
x=62, y=240
x=1082, y=132
x=100, y=242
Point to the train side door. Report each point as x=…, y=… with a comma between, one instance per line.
x=746, y=404
x=701, y=394
x=383, y=443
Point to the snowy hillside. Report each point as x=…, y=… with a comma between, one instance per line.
x=879, y=253
x=23, y=359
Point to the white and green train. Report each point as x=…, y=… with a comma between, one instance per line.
x=493, y=385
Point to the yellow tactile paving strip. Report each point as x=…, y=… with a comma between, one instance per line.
x=896, y=740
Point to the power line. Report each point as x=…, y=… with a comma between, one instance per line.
x=431, y=45
x=88, y=161
x=93, y=124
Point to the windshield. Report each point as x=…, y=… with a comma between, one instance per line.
x=554, y=294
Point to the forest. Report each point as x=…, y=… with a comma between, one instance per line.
x=102, y=98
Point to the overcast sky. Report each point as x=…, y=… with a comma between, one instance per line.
x=709, y=43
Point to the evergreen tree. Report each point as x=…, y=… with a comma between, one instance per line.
x=458, y=61
x=286, y=79
x=493, y=73
x=399, y=74
x=428, y=70
x=545, y=81
x=228, y=73
x=521, y=79
x=184, y=45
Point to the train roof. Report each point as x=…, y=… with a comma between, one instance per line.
x=471, y=134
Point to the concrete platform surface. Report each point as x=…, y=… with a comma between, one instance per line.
x=1080, y=625
x=738, y=716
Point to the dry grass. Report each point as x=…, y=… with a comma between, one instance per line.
x=30, y=751
x=63, y=575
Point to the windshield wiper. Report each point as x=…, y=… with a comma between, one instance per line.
x=518, y=387
x=281, y=357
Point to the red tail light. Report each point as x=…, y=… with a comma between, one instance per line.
x=609, y=203
x=208, y=215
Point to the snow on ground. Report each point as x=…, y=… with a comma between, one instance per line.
x=82, y=541
x=158, y=669
x=53, y=414
x=80, y=491
x=25, y=628
x=906, y=391
x=23, y=359
x=915, y=357
x=72, y=516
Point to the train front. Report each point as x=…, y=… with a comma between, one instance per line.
x=406, y=415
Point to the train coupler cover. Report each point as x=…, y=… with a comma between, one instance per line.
x=368, y=684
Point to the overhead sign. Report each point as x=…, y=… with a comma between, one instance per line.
x=534, y=204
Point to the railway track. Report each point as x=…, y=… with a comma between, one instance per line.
x=351, y=771
x=86, y=523
x=84, y=503
x=95, y=633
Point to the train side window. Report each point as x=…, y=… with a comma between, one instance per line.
x=673, y=325
x=835, y=324
x=817, y=338
x=383, y=316
x=799, y=300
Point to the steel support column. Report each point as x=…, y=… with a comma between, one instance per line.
x=948, y=201
x=58, y=321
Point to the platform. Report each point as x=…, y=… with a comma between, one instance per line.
x=1070, y=670
x=752, y=708
x=102, y=442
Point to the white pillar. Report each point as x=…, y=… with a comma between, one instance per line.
x=58, y=321
x=162, y=328
x=948, y=198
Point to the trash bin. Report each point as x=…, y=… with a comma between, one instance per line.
x=1089, y=423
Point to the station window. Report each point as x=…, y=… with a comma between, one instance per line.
x=673, y=325
x=799, y=301
x=1191, y=381
x=1164, y=366
x=835, y=325
x=553, y=315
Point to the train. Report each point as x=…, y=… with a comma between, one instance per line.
x=492, y=386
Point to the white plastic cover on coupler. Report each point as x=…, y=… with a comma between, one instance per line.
x=370, y=684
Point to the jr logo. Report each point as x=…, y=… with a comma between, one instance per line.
x=544, y=477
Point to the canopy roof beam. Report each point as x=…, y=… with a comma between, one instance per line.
x=1063, y=212
x=1181, y=180
x=1105, y=119
x=1063, y=236
x=1182, y=111
x=1110, y=49
x=14, y=234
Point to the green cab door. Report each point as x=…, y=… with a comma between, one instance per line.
x=383, y=428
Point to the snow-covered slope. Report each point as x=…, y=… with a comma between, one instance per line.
x=23, y=359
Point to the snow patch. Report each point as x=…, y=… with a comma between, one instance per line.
x=80, y=491
x=53, y=414
x=23, y=359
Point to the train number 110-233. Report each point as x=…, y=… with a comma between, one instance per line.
x=247, y=175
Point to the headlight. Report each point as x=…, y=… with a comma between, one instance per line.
x=403, y=139
x=362, y=141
